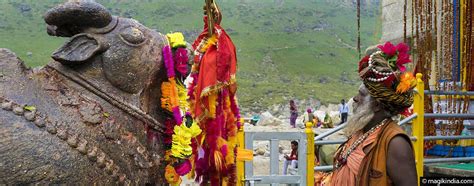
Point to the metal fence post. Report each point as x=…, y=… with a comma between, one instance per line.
x=418, y=125
x=240, y=163
x=310, y=154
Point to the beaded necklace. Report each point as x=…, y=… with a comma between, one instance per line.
x=341, y=160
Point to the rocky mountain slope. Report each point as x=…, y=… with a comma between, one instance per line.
x=287, y=49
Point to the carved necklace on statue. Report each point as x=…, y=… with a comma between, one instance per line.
x=113, y=100
x=341, y=159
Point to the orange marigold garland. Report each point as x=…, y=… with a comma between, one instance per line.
x=407, y=81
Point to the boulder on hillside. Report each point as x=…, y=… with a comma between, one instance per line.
x=260, y=151
x=333, y=107
x=267, y=119
x=262, y=148
x=335, y=116
x=326, y=153
x=320, y=114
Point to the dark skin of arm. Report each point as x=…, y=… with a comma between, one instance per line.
x=401, y=162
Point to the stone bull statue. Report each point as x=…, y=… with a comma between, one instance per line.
x=93, y=114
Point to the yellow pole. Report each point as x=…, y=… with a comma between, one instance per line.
x=418, y=125
x=240, y=163
x=310, y=154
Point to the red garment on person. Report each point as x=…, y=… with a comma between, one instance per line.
x=293, y=155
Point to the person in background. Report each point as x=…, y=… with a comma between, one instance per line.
x=291, y=160
x=293, y=113
x=327, y=123
x=254, y=120
x=343, y=110
x=308, y=117
x=316, y=122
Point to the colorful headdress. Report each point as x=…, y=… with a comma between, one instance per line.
x=385, y=77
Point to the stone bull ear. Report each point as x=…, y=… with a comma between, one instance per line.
x=79, y=49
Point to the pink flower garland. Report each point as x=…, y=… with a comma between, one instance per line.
x=401, y=50
x=169, y=64
x=183, y=168
x=177, y=115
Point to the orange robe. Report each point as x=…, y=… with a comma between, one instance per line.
x=347, y=174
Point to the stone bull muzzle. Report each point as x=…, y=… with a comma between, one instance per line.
x=130, y=53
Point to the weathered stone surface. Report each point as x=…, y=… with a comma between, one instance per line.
x=392, y=20
x=91, y=113
x=110, y=70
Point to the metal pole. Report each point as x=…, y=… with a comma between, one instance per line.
x=406, y=120
x=323, y=168
x=274, y=166
x=327, y=133
x=440, y=92
x=418, y=125
x=439, y=160
x=432, y=160
x=329, y=142
x=464, y=116
x=447, y=137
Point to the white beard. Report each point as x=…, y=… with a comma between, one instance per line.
x=362, y=114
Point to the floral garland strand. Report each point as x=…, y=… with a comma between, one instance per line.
x=180, y=131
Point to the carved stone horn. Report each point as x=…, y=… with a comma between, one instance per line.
x=76, y=16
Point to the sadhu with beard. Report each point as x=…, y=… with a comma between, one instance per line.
x=378, y=152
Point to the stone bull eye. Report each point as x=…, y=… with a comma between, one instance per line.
x=132, y=36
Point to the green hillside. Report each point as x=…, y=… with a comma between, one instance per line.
x=287, y=49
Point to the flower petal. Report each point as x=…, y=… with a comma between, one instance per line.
x=401, y=67
x=388, y=48
x=403, y=58
x=403, y=48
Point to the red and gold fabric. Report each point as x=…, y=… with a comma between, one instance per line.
x=214, y=106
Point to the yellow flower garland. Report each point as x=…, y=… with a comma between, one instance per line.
x=176, y=40
x=182, y=97
x=174, y=95
x=181, y=147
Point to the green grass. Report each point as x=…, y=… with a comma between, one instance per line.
x=300, y=55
